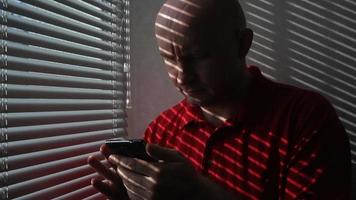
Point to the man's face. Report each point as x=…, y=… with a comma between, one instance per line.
x=200, y=54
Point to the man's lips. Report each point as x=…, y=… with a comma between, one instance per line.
x=192, y=91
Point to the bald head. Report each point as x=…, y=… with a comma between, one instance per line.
x=179, y=18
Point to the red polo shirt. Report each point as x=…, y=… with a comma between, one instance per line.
x=285, y=143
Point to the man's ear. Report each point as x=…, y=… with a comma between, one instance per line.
x=246, y=37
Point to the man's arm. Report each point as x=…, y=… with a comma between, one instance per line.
x=319, y=166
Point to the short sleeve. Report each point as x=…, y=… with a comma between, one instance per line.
x=149, y=135
x=320, y=163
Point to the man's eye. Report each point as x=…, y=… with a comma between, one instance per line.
x=199, y=54
x=202, y=54
x=196, y=57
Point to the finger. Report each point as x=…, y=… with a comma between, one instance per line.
x=140, y=181
x=163, y=153
x=134, y=196
x=136, y=165
x=105, y=150
x=134, y=188
x=102, y=186
x=110, y=189
x=102, y=169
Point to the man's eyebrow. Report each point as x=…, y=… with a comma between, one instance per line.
x=191, y=50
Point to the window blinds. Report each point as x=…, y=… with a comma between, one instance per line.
x=63, y=92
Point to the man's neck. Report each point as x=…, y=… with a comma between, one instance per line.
x=218, y=113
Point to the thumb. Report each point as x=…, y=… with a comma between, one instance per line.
x=163, y=153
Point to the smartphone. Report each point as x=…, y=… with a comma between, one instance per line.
x=135, y=148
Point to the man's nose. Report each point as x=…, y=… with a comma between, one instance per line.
x=185, y=74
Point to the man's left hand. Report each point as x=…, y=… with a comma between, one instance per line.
x=173, y=177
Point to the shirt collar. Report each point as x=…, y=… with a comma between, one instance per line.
x=192, y=114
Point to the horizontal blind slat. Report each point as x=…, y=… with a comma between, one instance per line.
x=32, y=105
x=20, y=189
x=60, y=189
x=35, y=118
x=102, y=5
x=26, y=64
x=42, y=15
x=41, y=144
x=84, y=7
x=32, y=91
x=35, y=78
x=58, y=32
x=27, y=51
x=49, y=130
x=35, y=158
x=36, y=171
x=97, y=196
x=25, y=37
x=72, y=13
x=79, y=193
x=114, y=1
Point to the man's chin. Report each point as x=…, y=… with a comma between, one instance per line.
x=198, y=102
x=193, y=101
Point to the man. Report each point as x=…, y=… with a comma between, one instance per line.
x=236, y=135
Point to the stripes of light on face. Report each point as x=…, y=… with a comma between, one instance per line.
x=164, y=51
x=169, y=29
x=174, y=8
x=169, y=14
x=180, y=22
x=173, y=65
x=179, y=81
x=191, y=3
x=186, y=94
x=172, y=22
x=168, y=41
x=174, y=76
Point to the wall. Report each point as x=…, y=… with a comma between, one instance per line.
x=311, y=44
x=152, y=91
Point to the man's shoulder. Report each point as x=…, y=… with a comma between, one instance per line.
x=310, y=97
x=285, y=93
x=301, y=96
x=299, y=103
x=305, y=103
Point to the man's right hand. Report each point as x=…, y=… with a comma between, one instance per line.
x=112, y=187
